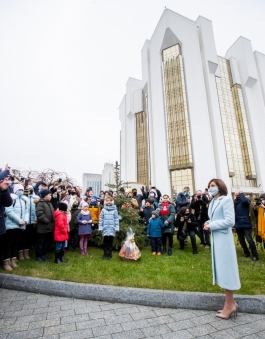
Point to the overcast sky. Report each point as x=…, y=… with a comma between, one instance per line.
x=64, y=65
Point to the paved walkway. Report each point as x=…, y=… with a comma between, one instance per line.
x=26, y=315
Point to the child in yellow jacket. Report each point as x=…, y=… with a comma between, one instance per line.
x=94, y=211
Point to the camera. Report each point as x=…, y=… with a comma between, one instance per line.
x=186, y=217
x=199, y=196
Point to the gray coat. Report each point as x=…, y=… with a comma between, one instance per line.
x=109, y=221
x=224, y=259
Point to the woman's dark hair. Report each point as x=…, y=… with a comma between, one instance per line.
x=182, y=211
x=221, y=186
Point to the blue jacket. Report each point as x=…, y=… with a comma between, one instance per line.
x=17, y=212
x=224, y=259
x=109, y=221
x=32, y=208
x=242, y=218
x=154, y=228
x=181, y=201
x=5, y=201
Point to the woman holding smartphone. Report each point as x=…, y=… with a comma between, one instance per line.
x=224, y=260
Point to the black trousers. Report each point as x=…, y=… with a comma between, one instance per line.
x=156, y=244
x=2, y=245
x=107, y=243
x=170, y=240
x=73, y=239
x=243, y=233
x=204, y=235
x=182, y=237
x=27, y=238
x=42, y=244
x=11, y=241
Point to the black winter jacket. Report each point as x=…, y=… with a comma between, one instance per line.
x=5, y=201
x=242, y=212
x=146, y=214
x=190, y=226
x=44, y=213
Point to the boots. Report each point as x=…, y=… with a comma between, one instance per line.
x=169, y=252
x=13, y=262
x=26, y=254
x=164, y=251
x=57, y=257
x=6, y=265
x=105, y=256
x=61, y=256
x=109, y=252
x=20, y=255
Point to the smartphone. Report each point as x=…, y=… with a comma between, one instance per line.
x=206, y=189
x=26, y=183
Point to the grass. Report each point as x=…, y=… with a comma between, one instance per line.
x=183, y=271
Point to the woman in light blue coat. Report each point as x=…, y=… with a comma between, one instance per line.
x=224, y=260
x=17, y=216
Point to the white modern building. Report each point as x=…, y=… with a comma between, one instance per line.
x=194, y=115
x=92, y=180
x=107, y=176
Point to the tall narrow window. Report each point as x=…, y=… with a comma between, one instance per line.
x=142, y=148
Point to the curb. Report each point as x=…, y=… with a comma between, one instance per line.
x=129, y=295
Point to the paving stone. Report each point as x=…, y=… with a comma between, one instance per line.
x=181, y=325
x=155, y=330
x=108, y=336
x=15, y=327
x=7, y=322
x=47, y=309
x=82, y=310
x=204, y=319
x=183, y=315
x=229, y=333
x=165, y=311
x=81, y=334
x=178, y=335
x=165, y=319
x=61, y=314
x=59, y=329
x=111, y=306
x=28, y=306
x=45, y=323
x=30, y=318
x=221, y=324
x=118, y=319
x=55, y=336
x=17, y=314
x=4, y=305
x=90, y=323
x=126, y=310
x=251, y=336
x=201, y=330
x=143, y=315
x=131, y=325
x=102, y=314
x=3, y=336
x=74, y=319
x=134, y=334
x=26, y=334
x=104, y=330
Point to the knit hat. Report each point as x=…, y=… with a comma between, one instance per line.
x=68, y=186
x=62, y=206
x=4, y=174
x=84, y=205
x=156, y=213
x=94, y=199
x=17, y=187
x=45, y=192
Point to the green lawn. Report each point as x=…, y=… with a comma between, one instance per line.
x=183, y=271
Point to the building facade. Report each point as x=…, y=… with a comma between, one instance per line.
x=92, y=180
x=107, y=176
x=194, y=115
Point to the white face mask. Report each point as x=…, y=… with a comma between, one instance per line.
x=19, y=193
x=263, y=202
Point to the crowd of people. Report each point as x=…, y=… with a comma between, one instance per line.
x=34, y=215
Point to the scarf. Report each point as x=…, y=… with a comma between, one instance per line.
x=165, y=208
x=85, y=213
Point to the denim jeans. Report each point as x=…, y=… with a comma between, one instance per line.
x=59, y=245
x=243, y=233
x=156, y=244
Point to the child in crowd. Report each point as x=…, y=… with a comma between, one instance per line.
x=146, y=213
x=154, y=230
x=73, y=241
x=84, y=230
x=108, y=225
x=94, y=211
x=60, y=232
x=167, y=214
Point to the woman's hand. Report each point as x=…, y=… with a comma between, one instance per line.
x=182, y=219
x=206, y=227
x=189, y=221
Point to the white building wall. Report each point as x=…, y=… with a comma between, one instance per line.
x=260, y=64
x=242, y=51
x=107, y=176
x=211, y=70
x=123, y=150
x=186, y=31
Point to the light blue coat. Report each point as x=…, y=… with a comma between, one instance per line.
x=32, y=208
x=109, y=221
x=17, y=212
x=224, y=261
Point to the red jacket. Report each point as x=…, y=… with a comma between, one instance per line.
x=61, y=226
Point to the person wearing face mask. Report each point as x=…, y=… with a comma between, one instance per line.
x=186, y=223
x=139, y=197
x=27, y=238
x=243, y=225
x=224, y=260
x=183, y=199
x=17, y=216
x=167, y=215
